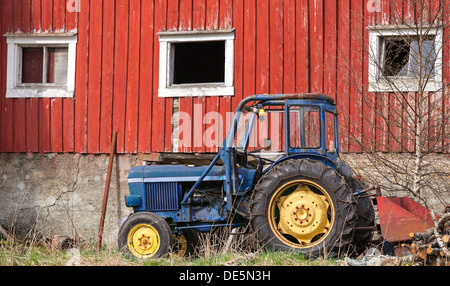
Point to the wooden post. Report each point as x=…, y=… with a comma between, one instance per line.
x=105, y=196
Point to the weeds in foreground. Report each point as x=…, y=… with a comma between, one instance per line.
x=13, y=253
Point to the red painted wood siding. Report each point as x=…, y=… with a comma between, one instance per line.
x=281, y=46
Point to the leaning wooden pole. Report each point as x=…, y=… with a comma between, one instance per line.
x=106, y=193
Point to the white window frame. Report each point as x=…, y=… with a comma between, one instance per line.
x=15, y=43
x=402, y=84
x=166, y=64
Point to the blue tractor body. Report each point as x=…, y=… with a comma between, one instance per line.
x=199, y=198
x=168, y=190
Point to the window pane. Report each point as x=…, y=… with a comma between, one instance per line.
x=402, y=57
x=396, y=57
x=428, y=58
x=304, y=127
x=57, y=59
x=199, y=62
x=330, y=131
x=32, y=65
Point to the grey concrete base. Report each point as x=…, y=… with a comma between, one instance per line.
x=43, y=195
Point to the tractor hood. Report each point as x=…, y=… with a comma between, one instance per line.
x=174, y=173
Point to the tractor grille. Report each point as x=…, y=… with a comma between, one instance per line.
x=162, y=196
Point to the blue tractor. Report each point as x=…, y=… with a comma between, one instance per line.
x=304, y=199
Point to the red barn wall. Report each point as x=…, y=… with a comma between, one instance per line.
x=281, y=46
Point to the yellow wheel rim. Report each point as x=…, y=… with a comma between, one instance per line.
x=301, y=214
x=143, y=241
x=180, y=246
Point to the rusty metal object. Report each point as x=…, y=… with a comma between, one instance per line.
x=401, y=216
x=106, y=192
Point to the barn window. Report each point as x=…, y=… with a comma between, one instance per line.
x=41, y=66
x=196, y=63
x=394, y=59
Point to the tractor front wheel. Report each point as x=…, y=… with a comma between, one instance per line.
x=145, y=235
x=306, y=206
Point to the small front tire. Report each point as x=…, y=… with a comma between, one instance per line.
x=145, y=235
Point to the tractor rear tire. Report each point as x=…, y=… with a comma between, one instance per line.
x=305, y=206
x=145, y=235
x=186, y=244
x=366, y=217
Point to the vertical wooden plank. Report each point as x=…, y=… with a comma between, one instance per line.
x=302, y=48
x=225, y=22
x=330, y=48
x=316, y=40
x=132, y=107
x=394, y=124
x=172, y=23
x=81, y=76
x=343, y=82
x=211, y=120
x=409, y=122
x=238, y=23
x=276, y=65
x=19, y=104
x=8, y=111
x=107, y=76
x=369, y=98
x=356, y=63
x=56, y=125
x=120, y=72
x=71, y=24
x=30, y=23
x=146, y=77
x=185, y=109
x=276, y=47
x=185, y=15
x=59, y=16
x=199, y=103
x=158, y=122
x=289, y=46
x=94, y=78
x=2, y=81
x=446, y=90
x=56, y=104
x=382, y=99
x=262, y=47
x=6, y=9
x=249, y=76
x=44, y=103
x=382, y=122
x=198, y=14
x=330, y=53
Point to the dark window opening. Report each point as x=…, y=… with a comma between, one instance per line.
x=199, y=62
x=32, y=65
x=54, y=68
x=402, y=57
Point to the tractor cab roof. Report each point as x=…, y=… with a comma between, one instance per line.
x=261, y=98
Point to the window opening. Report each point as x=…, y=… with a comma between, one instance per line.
x=402, y=57
x=199, y=62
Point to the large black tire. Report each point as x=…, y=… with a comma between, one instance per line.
x=145, y=235
x=295, y=190
x=366, y=217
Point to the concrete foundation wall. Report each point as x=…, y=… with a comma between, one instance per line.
x=62, y=194
x=42, y=195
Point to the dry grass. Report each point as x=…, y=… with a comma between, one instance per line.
x=215, y=249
